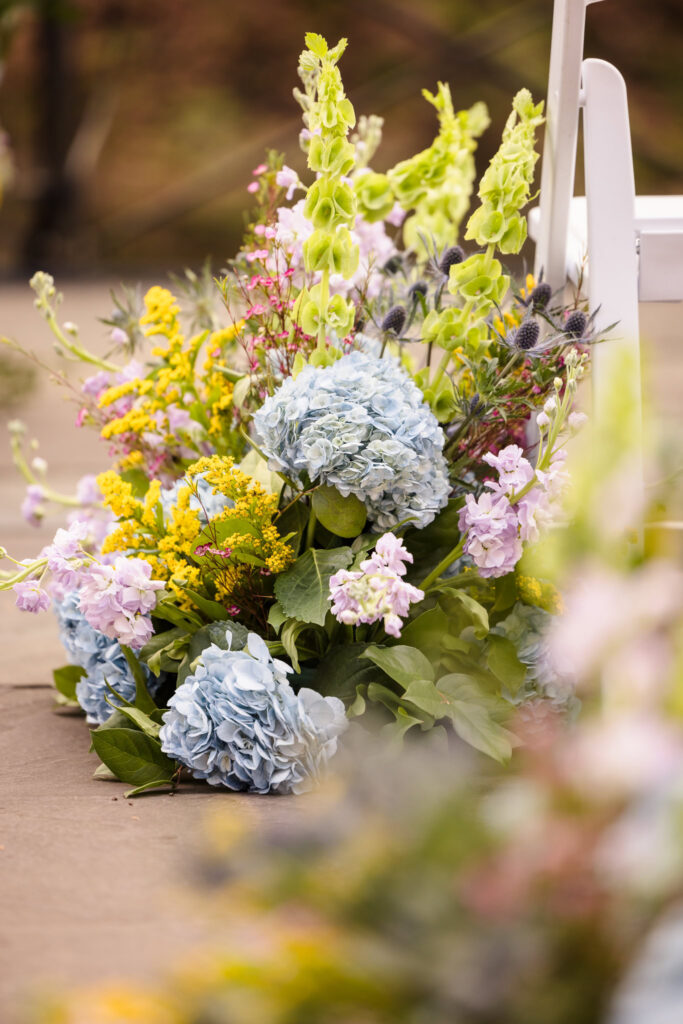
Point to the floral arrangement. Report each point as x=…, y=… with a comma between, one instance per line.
x=326, y=467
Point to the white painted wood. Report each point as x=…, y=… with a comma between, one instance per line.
x=559, y=148
x=611, y=242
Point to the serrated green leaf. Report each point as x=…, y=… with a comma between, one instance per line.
x=304, y=590
x=344, y=517
x=401, y=663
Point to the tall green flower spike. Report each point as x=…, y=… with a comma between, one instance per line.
x=506, y=184
x=330, y=203
x=450, y=172
x=479, y=282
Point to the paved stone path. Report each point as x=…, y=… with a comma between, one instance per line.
x=87, y=877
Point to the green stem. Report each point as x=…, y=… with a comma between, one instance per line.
x=310, y=531
x=443, y=565
x=77, y=350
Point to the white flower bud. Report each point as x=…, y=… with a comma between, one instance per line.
x=39, y=464
x=542, y=420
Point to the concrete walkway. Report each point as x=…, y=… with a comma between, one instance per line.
x=87, y=877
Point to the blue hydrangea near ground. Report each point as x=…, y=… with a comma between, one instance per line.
x=237, y=722
x=101, y=658
x=362, y=426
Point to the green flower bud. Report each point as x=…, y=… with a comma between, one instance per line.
x=330, y=203
x=334, y=252
x=333, y=157
x=375, y=196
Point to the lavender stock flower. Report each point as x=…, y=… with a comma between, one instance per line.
x=102, y=659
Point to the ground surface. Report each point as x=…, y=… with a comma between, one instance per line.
x=87, y=877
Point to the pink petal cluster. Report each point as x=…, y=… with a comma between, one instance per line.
x=117, y=599
x=32, y=506
x=376, y=591
x=66, y=556
x=31, y=597
x=496, y=527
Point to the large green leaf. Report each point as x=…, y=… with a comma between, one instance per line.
x=66, y=678
x=502, y=660
x=427, y=632
x=292, y=522
x=401, y=663
x=344, y=517
x=304, y=590
x=472, y=712
x=133, y=756
x=464, y=611
x=343, y=670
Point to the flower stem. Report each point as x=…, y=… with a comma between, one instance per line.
x=443, y=565
x=324, y=302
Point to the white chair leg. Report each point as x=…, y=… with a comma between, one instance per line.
x=612, y=256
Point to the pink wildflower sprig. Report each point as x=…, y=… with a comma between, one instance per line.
x=376, y=591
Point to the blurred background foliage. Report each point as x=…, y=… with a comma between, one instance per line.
x=133, y=128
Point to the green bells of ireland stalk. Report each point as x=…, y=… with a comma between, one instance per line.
x=479, y=282
x=330, y=202
x=506, y=185
x=437, y=183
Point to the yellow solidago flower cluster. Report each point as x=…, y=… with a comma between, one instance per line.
x=168, y=542
x=173, y=381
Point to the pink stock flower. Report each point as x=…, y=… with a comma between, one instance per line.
x=261, y=169
x=376, y=591
x=31, y=597
x=117, y=599
x=493, y=540
x=253, y=187
x=31, y=506
x=66, y=555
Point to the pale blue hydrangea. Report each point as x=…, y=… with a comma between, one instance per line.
x=237, y=722
x=209, y=504
x=362, y=426
x=527, y=627
x=99, y=656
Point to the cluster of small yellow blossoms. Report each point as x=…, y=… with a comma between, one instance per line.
x=168, y=544
x=540, y=593
x=218, y=390
x=251, y=503
x=174, y=380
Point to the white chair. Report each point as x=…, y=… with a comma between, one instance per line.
x=629, y=247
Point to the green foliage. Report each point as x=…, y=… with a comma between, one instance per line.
x=343, y=516
x=505, y=187
x=133, y=757
x=65, y=680
x=303, y=591
x=472, y=712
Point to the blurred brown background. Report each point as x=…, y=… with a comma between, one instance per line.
x=134, y=126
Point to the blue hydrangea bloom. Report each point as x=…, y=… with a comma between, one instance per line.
x=210, y=504
x=99, y=656
x=527, y=626
x=362, y=426
x=237, y=722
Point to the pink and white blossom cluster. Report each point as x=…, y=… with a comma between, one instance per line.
x=496, y=524
x=376, y=591
x=117, y=599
